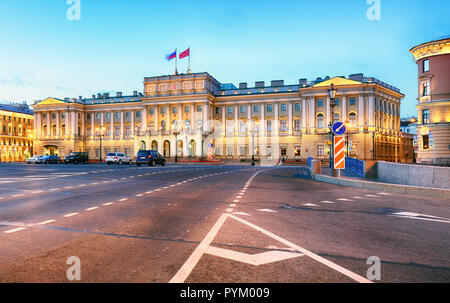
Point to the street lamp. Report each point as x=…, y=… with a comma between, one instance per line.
x=347, y=125
x=373, y=145
x=176, y=133
x=253, y=141
x=332, y=92
x=101, y=130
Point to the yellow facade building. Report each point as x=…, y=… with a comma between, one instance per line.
x=16, y=132
x=182, y=114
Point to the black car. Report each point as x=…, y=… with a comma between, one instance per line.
x=50, y=159
x=150, y=157
x=77, y=157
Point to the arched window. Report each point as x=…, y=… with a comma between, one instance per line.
x=352, y=119
x=320, y=121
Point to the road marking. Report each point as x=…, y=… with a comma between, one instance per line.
x=158, y=189
x=70, y=215
x=139, y=195
x=233, y=205
x=310, y=204
x=329, y=202
x=229, y=210
x=95, y=183
x=14, y=230
x=237, y=200
x=241, y=213
x=312, y=255
x=372, y=196
x=68, y=187
x=92, y=208
x=149, y=192
x=124, y=199
x=343, y=199
x=356, y=197
x=192, y=261
x=423, y=217
x=108, y=204
x=267, y=210
x=47, y=222
x=18, y=195
x=386, y=194
x=37, y=192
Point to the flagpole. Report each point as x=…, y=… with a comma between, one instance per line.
x=189, y=61
x=176, y=55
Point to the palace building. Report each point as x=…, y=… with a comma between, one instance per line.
x=433, y=127
x=16, y=132
x=181, y=114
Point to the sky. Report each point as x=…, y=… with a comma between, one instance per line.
x=116, y=43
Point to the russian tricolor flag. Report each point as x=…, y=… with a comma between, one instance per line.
x=172, y=55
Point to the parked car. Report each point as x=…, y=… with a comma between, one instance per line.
x=77, y=157
x=35, y=159
x=150, y=157
x=50, y=159
x=117, y=158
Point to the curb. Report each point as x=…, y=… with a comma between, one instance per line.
x=393, y=188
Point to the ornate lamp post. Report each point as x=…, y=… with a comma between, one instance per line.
x=332, y=92
x=101, y=130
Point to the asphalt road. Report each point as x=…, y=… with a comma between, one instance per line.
x=203, y=223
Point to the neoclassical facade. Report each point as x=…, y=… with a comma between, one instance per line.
x=433, y=60
x=182, y=114
x=16, y=132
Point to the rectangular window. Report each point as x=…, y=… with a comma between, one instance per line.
x=186, y=109
x=425, y=116
x=243, y=128
x=426, y=141
x=97, y=152
x=97, y=116
x=297, y=151
x=127, y=152
x=426, y=65
x=336, y=101
x=425, y=88
x=128, y=131
x=152, y=110
x=320, y=150
x=352, y=101
x=297, y=125
x=319, y=102
x=199, y=108
x=297, y=106
x=117, y=115
x=230, y=109
x=283, y=107
x=255, y=108
x=283, y=125
x=108, y=115
x=242, y=150
x=88, y=131
x=230, y=126
x=269, y=107
x=242, y=108
x=163, y=110
x=117, y=132
x=230, y=150
x=127, y=115
x=217, y=110
x=269, y=125
x=174, y=110
x=138, y=114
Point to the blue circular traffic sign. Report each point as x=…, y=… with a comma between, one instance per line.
x=339, y=128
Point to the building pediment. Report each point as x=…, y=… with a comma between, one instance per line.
x=51, y=101
x=337, y=81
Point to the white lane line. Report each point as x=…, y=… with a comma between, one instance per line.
x=192, y=261
x=312, y=255
x=139, y=195
x=357, y=197
x=310, y=204
x=124, y=199
x=70, y=215
x=18, y=195
x=68, y=187
x=229, y=210
x=385, y=194
x=372, y=196
x=343, y=199
x=37, y=192
x=267, y=210
x=242, y=214
x=237, y=200
x=92, y=208
x=149, y=192
x=46, y=222
x=233, y=205
x=95, y=183
x=238, y=196
x=108, y=204
x=14, y=230
x=328, y=202
x=158, y=189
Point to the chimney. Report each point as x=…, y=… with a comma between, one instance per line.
x=135, y=93
x=80, y=98
x=277, y=83
x=67, y=99
x=93, y=97
x=259, y=84
x=243, y=85
x=119, y=94
x=302, y=81
x=356, y=77
x=99, y=96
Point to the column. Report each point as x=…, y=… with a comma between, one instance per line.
x=132, y=122
x=39, y=125
x=344, y=108
x=156, y=119
x=276, y=121
x=361, y=111
x=49, y=127
x=327, y=117
x=290, y=118
x=73, y=118
x=371, y=111
x=224, y=126
x=303, y=122
x=92, y=125
x=122, y=132
x=83, y=126
x=251, y=128
x=111, y=126
x=312, y=114
x=57, y=124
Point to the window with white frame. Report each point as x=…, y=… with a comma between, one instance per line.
x=242, y=127
x=283, y=125
x=320, y=150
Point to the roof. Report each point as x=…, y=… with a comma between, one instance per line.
x=16, y=109
x=337, y=81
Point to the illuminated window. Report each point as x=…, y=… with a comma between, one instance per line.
x=425, y=89
x=426, y=65
x=425, y=116
x=352, y=118
x=297, y=125
x=320, y=121
x=297, y=151
x=320, y=150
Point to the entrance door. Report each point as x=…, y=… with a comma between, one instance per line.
x=166, y=151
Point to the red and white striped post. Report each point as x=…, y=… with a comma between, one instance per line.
x=339, y=153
